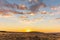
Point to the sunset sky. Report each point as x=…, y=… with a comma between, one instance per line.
x=34, y=15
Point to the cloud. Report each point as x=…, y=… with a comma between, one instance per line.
x=44, y=12
x=1, y=12
x=30, y=22
x=22, y=7
x=35, y=7
x=32, y=9
x=23, y=17
x=31, y=13
x=3, y=2
x=53, y=8
x=6, y=15
x=57, y=18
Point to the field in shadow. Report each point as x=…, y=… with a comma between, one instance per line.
x=28, y=36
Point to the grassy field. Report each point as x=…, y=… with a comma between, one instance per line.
x=29, y=36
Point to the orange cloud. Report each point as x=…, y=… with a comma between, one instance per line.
x=22, y=7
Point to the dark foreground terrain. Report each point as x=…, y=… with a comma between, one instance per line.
x=29, y=36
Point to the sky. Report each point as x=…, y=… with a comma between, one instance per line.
x=34, y=15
